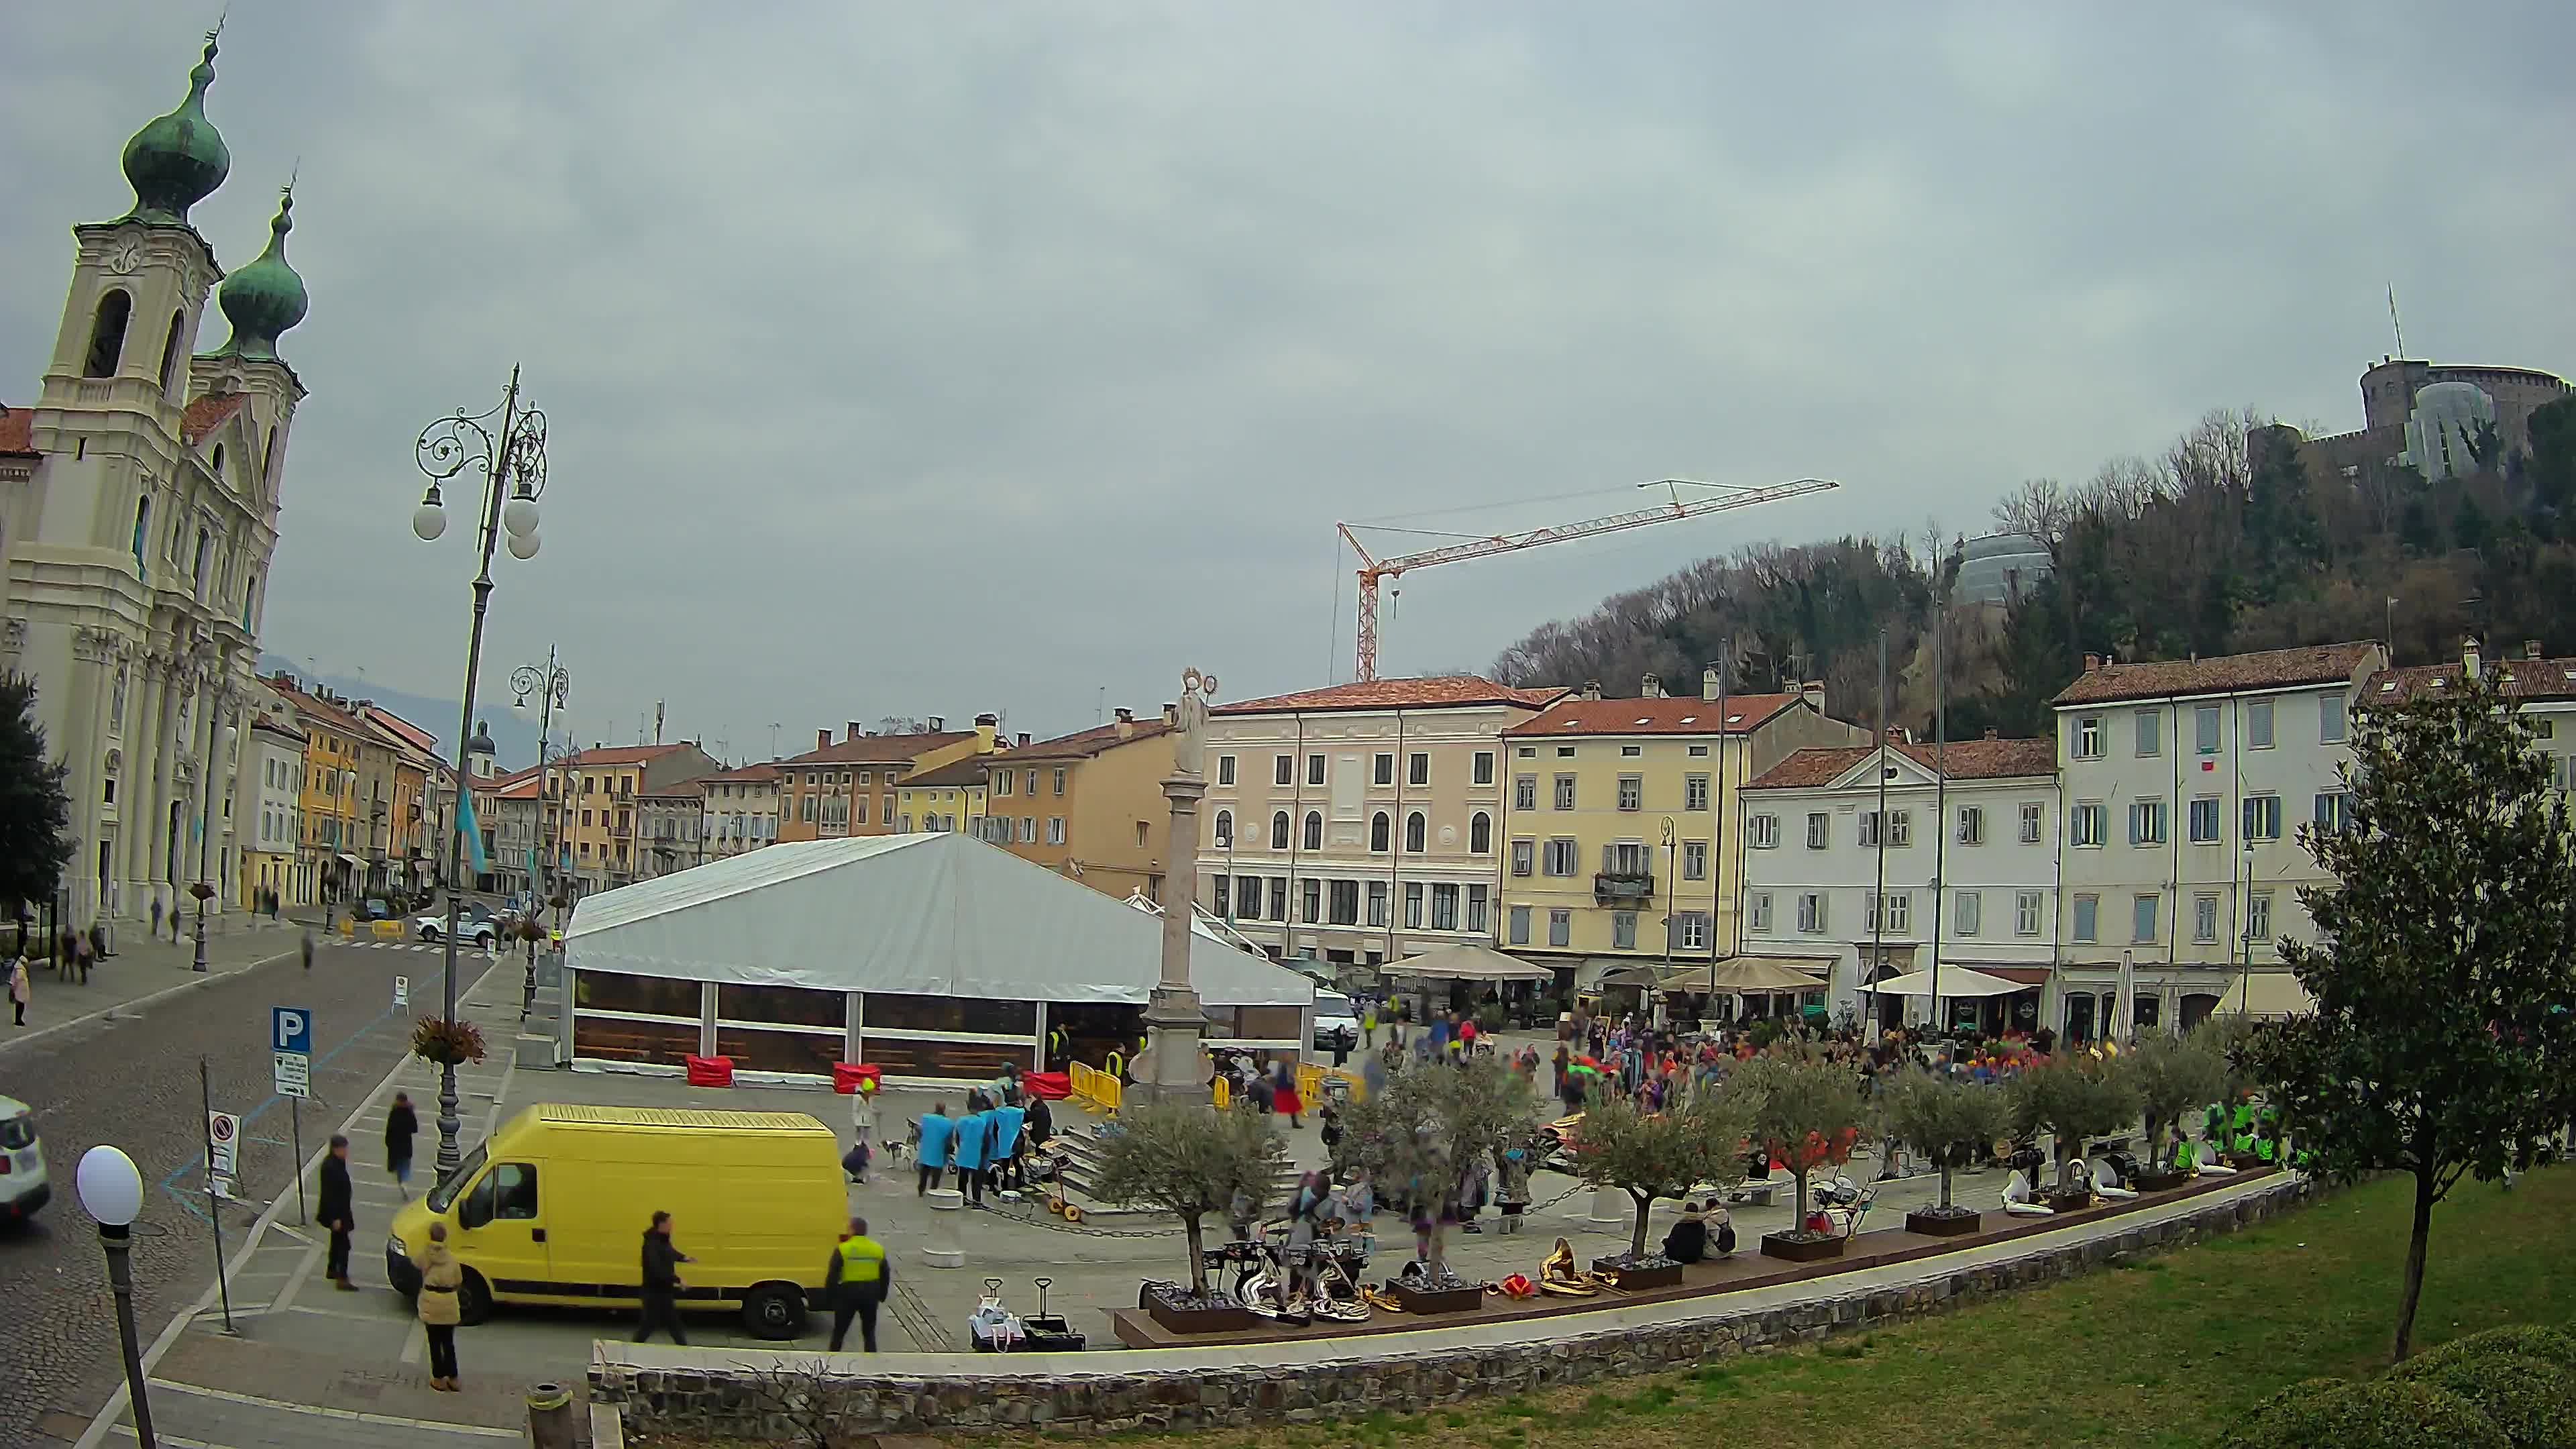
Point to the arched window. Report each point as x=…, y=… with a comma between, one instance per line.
x=1225, y=828
x=1279, y=830
x=218, y=466
x=1314, y=830
x=268, y=455
x=170, y=351
x=1378, y=831
x=1413, y=828
x=1480, y=833
x=142, y=528
x=205, y=549
x=107, y=334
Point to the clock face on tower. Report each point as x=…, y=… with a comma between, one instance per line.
x=125, y=256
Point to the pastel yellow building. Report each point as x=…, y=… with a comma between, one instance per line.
x=947, y=797
x=1090, y=805
x=1616, y=814
x=332, y=837
x=837, y=790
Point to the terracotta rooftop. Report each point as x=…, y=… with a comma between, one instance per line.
x=968, y=771
x=17, y=431
x=2269, y=669
x=878, y=749
x=278, y=727
x=209, y=413
x=752, y=774
x=599, y=755
x=1083, y=744
x=315, y=706
x=1436, y=691
x=1961, y=760
x=1693, y=716
x=2524, y=678
x=523, y=787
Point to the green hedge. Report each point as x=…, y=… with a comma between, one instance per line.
x=2519, y=1340
x=2383, y=1414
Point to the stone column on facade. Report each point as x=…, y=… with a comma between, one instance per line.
x=153, y=786
x=1174, y=1020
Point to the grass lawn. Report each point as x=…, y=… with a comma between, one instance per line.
x=2162, y=1352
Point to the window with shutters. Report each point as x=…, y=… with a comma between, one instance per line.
x=1763, y=831
x=1632, y=792
x=1972, y=825
x=2146, y=822
x=1968, y=912
x=1694, y=792
x=1562, y=856
x=1623, y=930
x=1560, y=927
x=2088, y=918
x=1758, y=905
x=2028, y=907
x=1525, y=792
x=1524, y=857
x=2204, y=918
x=1820, y=830
x=1811, y=912
x=1520, y=926
x=1694, y=860
x=2204, y=820
x=1565, y=792
x=2258, y=724
x=2262, y=817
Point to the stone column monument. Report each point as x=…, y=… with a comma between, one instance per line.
x=1174, y=1022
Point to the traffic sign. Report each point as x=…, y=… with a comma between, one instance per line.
x=402, y=992
x=290, y=1029
x=294, y=1077
x=223, y=1137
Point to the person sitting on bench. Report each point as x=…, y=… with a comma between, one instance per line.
x=1688, y=1240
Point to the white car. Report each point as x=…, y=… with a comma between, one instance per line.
x=1336, y=1020
x=23, y=1186
x=434, y=928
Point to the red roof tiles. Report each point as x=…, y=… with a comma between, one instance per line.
x=1083, y=744
x=878, y=749
x=2514, y=678
x=17, y=431
x=1574, y=716
x=2268, y=669
x=599, y=755
x=968, y=771
x=1960, y=760
x=209, y=413
x=1439, y=691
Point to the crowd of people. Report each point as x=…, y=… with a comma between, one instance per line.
x=989, y=1147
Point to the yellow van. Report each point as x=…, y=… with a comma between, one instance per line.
x=553, y=1210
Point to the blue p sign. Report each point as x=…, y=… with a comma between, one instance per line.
x=290, y=1029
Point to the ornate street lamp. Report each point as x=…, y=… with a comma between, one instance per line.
x=111, y=1192
x=553, y=686
x=512, y=461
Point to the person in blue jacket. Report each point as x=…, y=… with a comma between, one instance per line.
x=973, y=1148
x=1005, y=1168
x=938, y=1134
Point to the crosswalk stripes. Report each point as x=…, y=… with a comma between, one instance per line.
x=413, y=946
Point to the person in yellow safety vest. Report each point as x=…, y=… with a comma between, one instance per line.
x=857, y=1281
x=1055, y=1048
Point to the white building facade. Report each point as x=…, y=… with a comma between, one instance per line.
x=138, y=514
x=741, y=810
x=2185, y=784
x=272, y=812
x=1865, y=863
x=1360, y=824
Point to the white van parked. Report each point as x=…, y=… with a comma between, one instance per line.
x=23, y=1187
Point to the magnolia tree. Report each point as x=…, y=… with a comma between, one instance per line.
x=2173, y=1076
x=1698, y=1143
x=2072, y=1098
x=1190, y=1161
x=2447, y=963
x=1811, y=1114
x=1947, y=1119
x=1421, y=1134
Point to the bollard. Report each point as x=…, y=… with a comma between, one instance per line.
x=946, y=1248
x=1611, y=1207
x=550, y=1417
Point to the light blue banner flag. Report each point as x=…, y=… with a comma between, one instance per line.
x=473, y=833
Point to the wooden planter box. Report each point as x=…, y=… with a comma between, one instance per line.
x=1223, y=1316
x=1666, y=1274
x=2066, y=1202
x=2164, y=1181
x=1933, y=1223
x=1801, y=1250
x=1462, y=1299
x=2245, y=1161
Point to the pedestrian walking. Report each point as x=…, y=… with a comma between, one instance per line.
x=440, y=1277
x=973, y=1148
x=1008, y=1120
x=21, y=990
x=856, y=1281
x=1283, y=1093
x=1368, y=1027
x=401, y=1125
x=337, y=1213
x=307, y=949
x=863, y=1124
x=936, y=1134
x=662, y=1284
x=156, y=917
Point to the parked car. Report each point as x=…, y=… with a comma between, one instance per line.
x=473, y=923
x=23, y=1186
x=374, y=908
x=1337, y=1022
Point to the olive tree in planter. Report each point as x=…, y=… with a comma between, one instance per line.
x=2174, y=1076
x=1699, y=1143
x=1422, y=1134
x=2072, y=1098
x=1190, y=1161
x=1949, y=1120
x=1811, y=1114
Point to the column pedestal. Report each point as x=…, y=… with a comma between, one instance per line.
x=1171, y=1070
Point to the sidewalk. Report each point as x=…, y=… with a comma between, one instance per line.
x=144, y=969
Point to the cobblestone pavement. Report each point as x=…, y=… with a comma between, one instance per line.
x=131, y=1079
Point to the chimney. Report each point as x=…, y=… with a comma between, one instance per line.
x=1813, y=691
x=2469, y=657
x=1651, y=687
x=1125, y=722
x=852, y=731
x=1708, y=685
x=2531, y=649
x=1592, y=689
x=2092, y=663
x=988, y=729
x=1022, y=739
x=822, y=739
x=938, y=724
x=1171, y=715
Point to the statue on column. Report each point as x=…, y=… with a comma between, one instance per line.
x=1189, y=738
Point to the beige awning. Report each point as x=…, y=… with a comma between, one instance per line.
x=1469, y=963
x=1955, y=981
x=2267, y=993
x=1741, y=975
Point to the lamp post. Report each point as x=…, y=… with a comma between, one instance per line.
x=513, y=464
x=221, y=742
x=111, y=1192
x=553, y=686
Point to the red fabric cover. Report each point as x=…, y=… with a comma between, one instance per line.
x=846, y=1076
x=1054, y=1086
x=710, y=1071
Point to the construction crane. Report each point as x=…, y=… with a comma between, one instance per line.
x=1373, y=569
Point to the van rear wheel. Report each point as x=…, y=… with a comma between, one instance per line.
x=473, y=1299
x=774, y=1311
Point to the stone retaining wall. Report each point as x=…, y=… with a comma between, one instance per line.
x=789, y=1403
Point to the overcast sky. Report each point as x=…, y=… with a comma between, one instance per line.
x=927, y=359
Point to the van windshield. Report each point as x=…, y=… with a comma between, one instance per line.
x=1329, y=1004
x=443, y=1196
x=17, y=1132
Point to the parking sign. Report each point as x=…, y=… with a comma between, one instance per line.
x=290, y=1029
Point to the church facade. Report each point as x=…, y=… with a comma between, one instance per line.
x=138, y=515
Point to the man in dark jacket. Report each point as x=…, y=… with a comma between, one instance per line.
x=334, y=1212
x=401, y=1123
x=661, y=1281
x=856, y=1280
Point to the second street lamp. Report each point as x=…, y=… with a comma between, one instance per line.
x=513, y=463
x=554, y=684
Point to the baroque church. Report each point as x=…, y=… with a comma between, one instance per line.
x=138, y=515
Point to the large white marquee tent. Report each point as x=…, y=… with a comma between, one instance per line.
x=937, y=956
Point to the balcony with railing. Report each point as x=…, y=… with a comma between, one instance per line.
x=1620, y=886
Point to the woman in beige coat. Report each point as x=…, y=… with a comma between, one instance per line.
x=440, y=1277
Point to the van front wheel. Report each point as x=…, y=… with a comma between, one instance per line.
x=774, y=1311
x=473, y=1299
